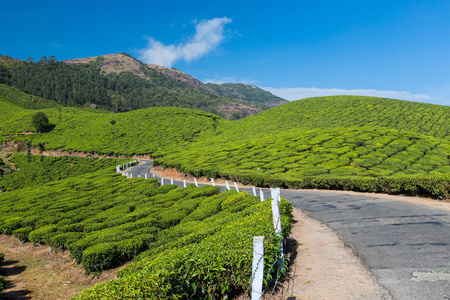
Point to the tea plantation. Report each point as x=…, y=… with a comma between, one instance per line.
x=33, y=171
x=341, y=142
x=195, y=242
x=191, y=241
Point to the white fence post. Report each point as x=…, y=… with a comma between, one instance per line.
x=228, y=186
x=261, y=195
x=276, y=198
x=275, y=211
x=235, y=185
x=184, y=182
x=162, y=181
x=171, y=180
x=213, y=183
x=145, y=175
x=195, y=180
x=254, y=190
x=153, y=175
x=139, y=175
x=131, y=175
x=257, y=267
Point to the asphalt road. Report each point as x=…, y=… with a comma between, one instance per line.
x=406, y=246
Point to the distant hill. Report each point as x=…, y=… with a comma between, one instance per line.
x=183, y=77
x=118, y=82
x=239, y=91
x=249, y=93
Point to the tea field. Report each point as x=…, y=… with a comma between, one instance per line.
x=347, y=111
x=327, y=142
x=195, y=237
x=37, y=170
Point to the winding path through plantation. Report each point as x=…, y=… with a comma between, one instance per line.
x=404, y=242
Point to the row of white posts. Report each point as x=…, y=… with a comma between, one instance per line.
x=258, y=245
x=258, y=241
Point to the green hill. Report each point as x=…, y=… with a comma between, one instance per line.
x=144, y=131
x=325, y=138
x=348, y=111
x=103, y=219
x=249, y=93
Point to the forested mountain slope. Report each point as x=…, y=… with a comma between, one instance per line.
x=116, y=82
x=247, y=92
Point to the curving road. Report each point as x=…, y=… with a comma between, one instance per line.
x=406, y=246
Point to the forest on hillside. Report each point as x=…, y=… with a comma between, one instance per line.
x=84, y=84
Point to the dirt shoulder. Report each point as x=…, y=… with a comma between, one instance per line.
x=323, y=267
x=37, y=273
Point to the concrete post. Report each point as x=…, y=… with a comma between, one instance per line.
x=257, y=267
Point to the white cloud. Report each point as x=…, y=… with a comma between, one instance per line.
x=225, y=79
x=300, y=93
x=209, y=34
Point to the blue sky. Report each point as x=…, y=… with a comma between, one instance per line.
x=296, y=49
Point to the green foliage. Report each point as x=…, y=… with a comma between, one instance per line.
x=328, y=137
x=55, y=168
x=24, y=100
x=200, y=238
x=40, y=121
x=214, y=264
x=343, y=158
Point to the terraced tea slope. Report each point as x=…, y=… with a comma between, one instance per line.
x=104, y=220
x=37, y=170
x=322, y=138
x=347, y=111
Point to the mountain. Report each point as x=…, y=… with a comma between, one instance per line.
x=183, y=77
x=239, y=91
x=118, y=82
x=249, y=93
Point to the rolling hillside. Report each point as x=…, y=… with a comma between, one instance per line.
x=348, y=111
x=103, y=219
x=323, y=138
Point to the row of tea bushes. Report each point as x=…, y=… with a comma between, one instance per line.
x=36, y=170
x=206, y=259
x=104, y=219
x=346, y=111
x=360, y=159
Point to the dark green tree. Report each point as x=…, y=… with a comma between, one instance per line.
x=40, y=121
x=113, y=122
